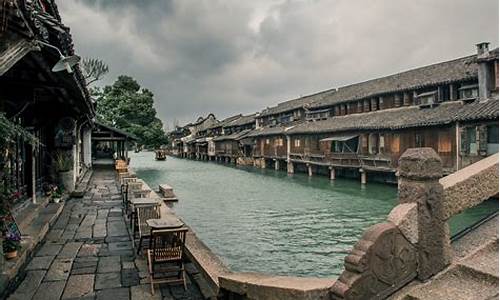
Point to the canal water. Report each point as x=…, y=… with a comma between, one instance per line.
x=266, y=221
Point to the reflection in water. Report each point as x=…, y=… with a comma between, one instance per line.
x=266, y=221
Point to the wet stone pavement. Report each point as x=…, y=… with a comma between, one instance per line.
x=88, y=254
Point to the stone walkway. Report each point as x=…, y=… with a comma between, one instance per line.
x=88, y=254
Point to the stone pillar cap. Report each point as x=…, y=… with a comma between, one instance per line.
x=420, y=163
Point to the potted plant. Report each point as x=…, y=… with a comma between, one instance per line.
x=64, y=168
x=56, y=195
x=11, y=244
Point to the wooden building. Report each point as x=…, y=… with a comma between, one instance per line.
x=207, y=137
x=363, y=128
x=234, y=144
x=53, y=105
x=357, y=144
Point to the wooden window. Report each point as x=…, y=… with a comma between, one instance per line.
x=267, y=141
x=472, y=140
x=419, y=140
x=492, y=142
x=444, y=142
x=381, y=144
x=373, y=143
x=395, y=143
x=296, y=142
x=364, y=143
x=278, y=142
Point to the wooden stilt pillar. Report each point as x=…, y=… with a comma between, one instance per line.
x=363, y=176
x=332, y=173
x=289, y=167
x=277, y=165
x=309, y=170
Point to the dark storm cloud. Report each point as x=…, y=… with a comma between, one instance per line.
x=228, y=56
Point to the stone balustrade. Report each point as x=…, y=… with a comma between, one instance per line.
x=261, y=286
x=414, y=242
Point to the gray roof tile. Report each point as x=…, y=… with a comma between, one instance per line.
x=404, y=117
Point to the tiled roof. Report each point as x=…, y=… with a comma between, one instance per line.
x=459, y=69
x=405, y=117
x=295, y=103
x=233, y=136
x=273, y=130
x=225, y=121
x=27, y=20
x=116, y=130
x=243, y=120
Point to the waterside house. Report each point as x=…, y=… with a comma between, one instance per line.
x=206, y=138
x=234, y=144
x=184, y=138
x=363, y=128
x=49, y=99
x=54, y=106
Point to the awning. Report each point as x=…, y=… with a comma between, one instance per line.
x=341, y=138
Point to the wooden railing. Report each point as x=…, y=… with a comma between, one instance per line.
x=414, y=242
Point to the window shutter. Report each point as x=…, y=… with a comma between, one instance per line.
x=483, y=139
x=464, y=143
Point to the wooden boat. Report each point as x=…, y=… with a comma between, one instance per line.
x=160, y=155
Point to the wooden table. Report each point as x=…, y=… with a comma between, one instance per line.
x=166, y=222
x=145, y=201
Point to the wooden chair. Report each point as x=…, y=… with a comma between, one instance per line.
x=144, y=213
x=165, y=256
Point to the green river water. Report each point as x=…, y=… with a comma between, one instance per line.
x=266, y=221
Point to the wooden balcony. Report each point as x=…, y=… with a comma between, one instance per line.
x=345, y=160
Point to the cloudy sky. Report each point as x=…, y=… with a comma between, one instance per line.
x=232, y=56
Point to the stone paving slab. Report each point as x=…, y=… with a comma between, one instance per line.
x=59, y=270
x=79, y=286
x=49, y=249
x=50, y=290
x=88, y=254
x=109, y=264
x=40, y=263
x=115, y=294
x=70, y=250
x=129, y=277
x=143, y=292
x=28, y=286
x=107, y=280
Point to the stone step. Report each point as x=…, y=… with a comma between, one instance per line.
x=458, y=283
x=484, y=260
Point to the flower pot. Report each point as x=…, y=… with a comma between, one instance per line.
x=11, y=254
x=66, y=179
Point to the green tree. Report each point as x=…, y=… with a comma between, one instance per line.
x=127, y=106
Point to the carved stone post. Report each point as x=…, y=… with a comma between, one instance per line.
x=419, y=171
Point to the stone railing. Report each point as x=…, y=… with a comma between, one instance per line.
x=261, y=286
x=414, y=242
